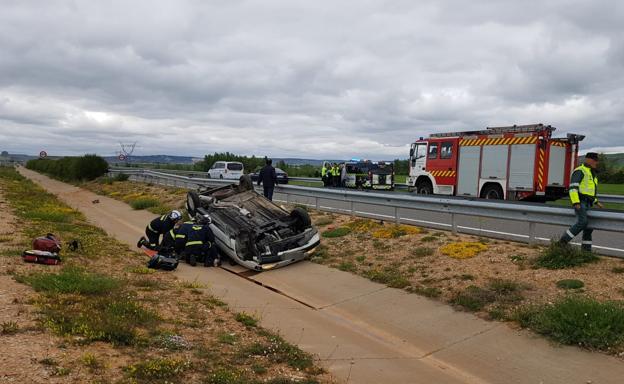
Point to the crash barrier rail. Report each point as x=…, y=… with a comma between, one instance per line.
x=204, y=175
x=396, y=205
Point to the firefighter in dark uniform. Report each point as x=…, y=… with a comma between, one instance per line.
x=159, y=226
x=268, y=179
x=196, y=242
x=167, y=245
x=583, y=191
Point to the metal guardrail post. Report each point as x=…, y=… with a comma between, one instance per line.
x=397, y=219
x=531, y=233
x=454, y=224
x=316, y=203
x=352, y=208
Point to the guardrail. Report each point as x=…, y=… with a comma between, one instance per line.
x=349, y=202
x=619, y=199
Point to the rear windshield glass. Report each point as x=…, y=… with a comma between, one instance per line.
x=235, y=166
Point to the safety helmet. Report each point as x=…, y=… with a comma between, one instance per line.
x=175, y=215
x=204, y=219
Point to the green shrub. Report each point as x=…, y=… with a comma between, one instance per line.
x=160, y=368
x=9, y=328
x=426, y=291
x=121, y=177
x=71, y=280
x=570, y=284
x=559, y=256
x=578, y=321
x=87, y=167
x=337, y=232
x=422, y=252
x=617, y=270
x=427, y=239
x=347, y=266
x=389, y=275
x=474, y=298
x=144, y=202
x=246, y=319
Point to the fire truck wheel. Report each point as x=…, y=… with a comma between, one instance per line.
x=492, y=192
x=424, y=188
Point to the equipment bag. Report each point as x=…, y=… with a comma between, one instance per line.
x=41, y=257
x=49, y=243
x=162, y=262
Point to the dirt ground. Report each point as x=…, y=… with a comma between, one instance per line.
x=207, y=335
x=418, y=258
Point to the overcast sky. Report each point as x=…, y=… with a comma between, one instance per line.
x=314, y=79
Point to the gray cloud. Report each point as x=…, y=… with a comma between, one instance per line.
x=306, y=79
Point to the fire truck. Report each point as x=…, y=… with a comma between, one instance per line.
x=519, y=162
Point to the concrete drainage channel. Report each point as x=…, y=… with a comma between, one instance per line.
x=248, y=274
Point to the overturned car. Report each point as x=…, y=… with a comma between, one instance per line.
x=251, y=230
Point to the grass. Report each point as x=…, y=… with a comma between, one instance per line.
x=99, y=301
x=323, y=221
x=246, y=319
x=144, y=203
x=570, y=284
x=347, y=266
x=337, y=232
x=611, y=189
x=156, y=369
x=499, y=291
x=560, y=256
x=71, y=280
x=279, y=351
x=389, y=275
x=9, y=328
x=426, y=291
x=422, y=252
x=576, y=320
x=617, y=269
x=428, y=239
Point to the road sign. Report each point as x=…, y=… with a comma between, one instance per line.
x=43, y=154
x=122, y=157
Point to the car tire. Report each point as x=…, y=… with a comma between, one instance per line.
x=192, y=203
x=209, y=177
x=424, y=188
x=245, y=183
x=221, y=177
x=492, y=192
x=302, y=218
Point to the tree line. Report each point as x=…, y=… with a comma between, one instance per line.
x=87, y=167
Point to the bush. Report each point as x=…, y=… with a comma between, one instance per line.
x=87, y=167
x=161, y=368
x=570, y=284
x=121, y=177
x=246, y=319
x=144, y=202
x=474, y=298
x=559, y=256
x=578, y=321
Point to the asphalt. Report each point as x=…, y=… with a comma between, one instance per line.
x=363, y=332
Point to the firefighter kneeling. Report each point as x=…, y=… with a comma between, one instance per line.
x=195, y=242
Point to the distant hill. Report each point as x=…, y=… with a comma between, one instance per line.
x=158, y=159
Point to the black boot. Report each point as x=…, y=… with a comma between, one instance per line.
x=192, y=260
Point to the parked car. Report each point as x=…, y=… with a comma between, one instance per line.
x=226, y=170
x=282, y=177
x=251, y=230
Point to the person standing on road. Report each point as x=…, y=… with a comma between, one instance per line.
x=268, y=179
x=583, y=191
x=325, y=173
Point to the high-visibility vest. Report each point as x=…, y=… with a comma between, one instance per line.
x=323, y=171
x=586, y=187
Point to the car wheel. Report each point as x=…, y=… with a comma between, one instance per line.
x=192, y=203
x=424, y=188
x=302, y=218
x=220, y=176
x=210, y=177
x=492, y=192
x=245, y=183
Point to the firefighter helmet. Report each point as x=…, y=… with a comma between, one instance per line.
x=175, y=215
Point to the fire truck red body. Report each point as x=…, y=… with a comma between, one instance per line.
x=514, y=163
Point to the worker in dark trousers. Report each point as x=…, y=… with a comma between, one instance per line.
x=198, y=243
x=325, y=173
x=159, y=226
x=268, y=179
x=167, y=245
x=583, y=191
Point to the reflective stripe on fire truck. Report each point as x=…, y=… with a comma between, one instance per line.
x=442, y=173
x=499, y=141
x=540, y=169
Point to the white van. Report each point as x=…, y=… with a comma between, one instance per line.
x=226, y=170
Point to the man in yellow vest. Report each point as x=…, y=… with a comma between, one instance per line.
x=583, y=191
x=324, y=173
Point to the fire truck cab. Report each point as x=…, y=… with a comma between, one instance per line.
x=520, y=162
